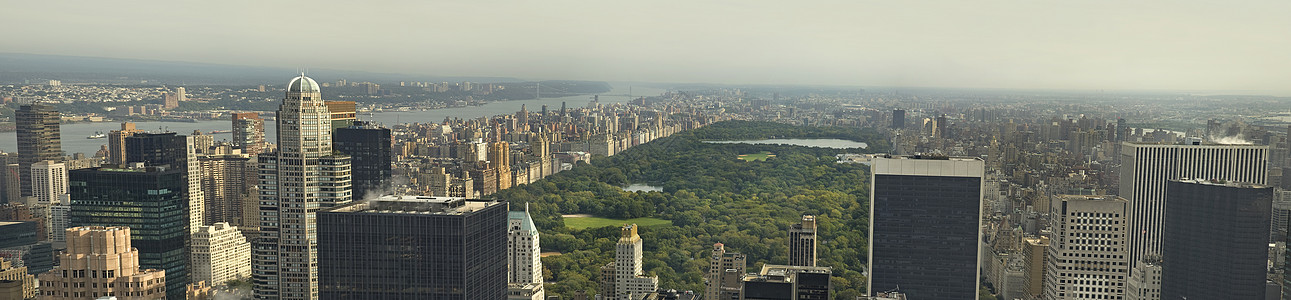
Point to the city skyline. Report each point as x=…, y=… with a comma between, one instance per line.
x=1153, y=45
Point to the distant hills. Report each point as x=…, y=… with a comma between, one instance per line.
x=36, y=68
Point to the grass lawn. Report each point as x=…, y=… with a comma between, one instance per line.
x=593, y=222
x=756, y=156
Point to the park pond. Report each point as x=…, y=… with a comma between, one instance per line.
x=641, y=187
x=817, y=143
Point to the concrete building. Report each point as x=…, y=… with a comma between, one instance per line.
x=1034, y=252
x=1087, y=256
x=38, y=139
x=227, y=179
x=413, y=247
x=117, y=143
x=15, y=282
x=341, y=113
x=100, y=262
x=523, y=251
x=48, y=182
x=220, y=254
x=151, y=199
x=924, y=226
x=725, y=274
x=500, y=163
x=1144, y=282
x=10, y=181
x=779, y=282
x=1146, y=168
x=802, y=242
x=248, y=133
x=1215, y=244
x=284, y=253
x=629, y=281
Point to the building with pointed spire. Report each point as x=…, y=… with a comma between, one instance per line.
x=524, y=261
x=297, y=180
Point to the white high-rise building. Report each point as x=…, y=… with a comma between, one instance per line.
x=196, y=197
x=523, y=252
x=301, y=177
x=180, y=94
x=48, y=182
x=1145, y=169
x=220, y=254
x=1086, y=255
x=629, y=280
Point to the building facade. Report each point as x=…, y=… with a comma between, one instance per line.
x=101, y=262
x=1146, y=168
x=220, y=254
x=725, y=274
x=411, y=247
x=177, y=152
x=227, y=179
x=523, y=250
x=300, y=178
x=368, y=146
x=151, y=201
x=924, y=226
x=39, y=139
x=779, y=282
x=1215, y=244
x=1087, y=256
x=248, y=132
x=802, y=242
x=630, y=282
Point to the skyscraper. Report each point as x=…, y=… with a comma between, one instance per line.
x=181, y=94
x=1087, y=256
x=725, y=274
x=297, y=180
x=500, y=163
x=630, y=281
x=117, y=143
x=38, y=139
x=776, y=282
x=49, y=182
x=178, y=152
x=1215, y=244
x=99, y=262
x=925, y=212
x=151, y=199
x=368, y=146
x=522, y=248
x=1146, y=168
x=248, y=132
x=343, y=113
x=802, y=242
x=220, y=254
x=227, y=179
x=412, y=247
x=898, y=119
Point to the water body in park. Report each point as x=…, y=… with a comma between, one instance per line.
x=816, y=143
x=641, y=187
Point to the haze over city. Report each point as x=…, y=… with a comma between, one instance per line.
x=1197, y=46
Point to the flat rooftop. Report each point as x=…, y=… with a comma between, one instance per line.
x=931, y=157
x=1216, y=182
x=404, y=204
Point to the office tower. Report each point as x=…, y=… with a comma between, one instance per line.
x=1144, y=282
x=500, y=163
x=20, y=244
x=100, y=262
x=38, y=139
x=1034, y=251
x=523, y=115
x=117, y=143
x=898, y=119
x=220, y=254
x=49, y=182
x=1087, y=257
x=342, y=113
x=227, y=178
x=10, y=183
x=1146, y=168
x=725, y=274
x=629, y=282
x=413, y=247
x=778, y=282
x=522, y=248
x=925, y=214
x=802, y=242
x=151, y=199
x=178, y=152
x=1215, y=244
x=524, y=261
x=248, y=133
x=285, y=253
x=368, y=146
x=15, y=282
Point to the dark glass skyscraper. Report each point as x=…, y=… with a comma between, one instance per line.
x=898, y=119
x=925, y=214
x=1215, y=244
x=149, y=200
x=38, y=139
x=408, y=247
x=368, y=146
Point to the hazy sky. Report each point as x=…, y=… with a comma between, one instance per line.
x=1088, y=44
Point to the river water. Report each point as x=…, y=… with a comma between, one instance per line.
x=74, y=135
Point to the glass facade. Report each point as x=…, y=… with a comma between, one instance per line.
x=413, y=254
x=369, y=151
x=1215, y=244
x=151, y=201
x=925, y=236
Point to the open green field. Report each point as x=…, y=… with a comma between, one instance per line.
x=756, y=156
x=584, y=222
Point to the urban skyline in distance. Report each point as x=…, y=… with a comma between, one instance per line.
x=1151, y=45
